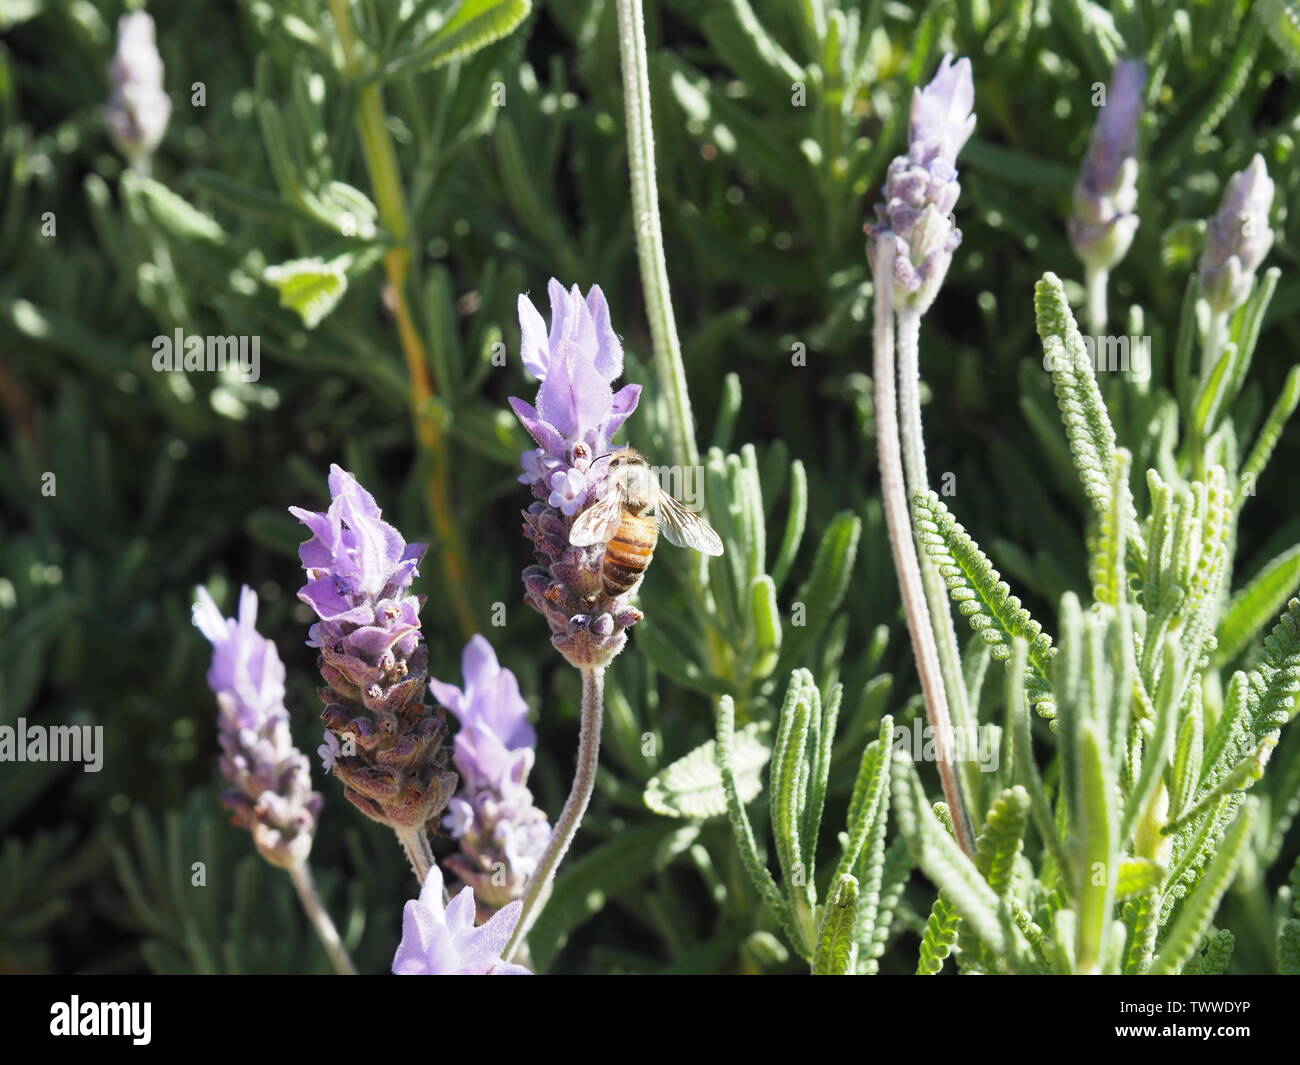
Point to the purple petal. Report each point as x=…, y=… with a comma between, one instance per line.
x=622, y=405
x=538, y=428
x=534, y=347
x=609, y=352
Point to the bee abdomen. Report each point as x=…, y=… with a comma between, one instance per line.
x=629, y=553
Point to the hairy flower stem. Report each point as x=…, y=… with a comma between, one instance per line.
x=305, y=885
x=566, y=826
x=418, y=852
x=669, y=367
x=903, y=546
x=649, y=232
x=381, y=162
x=1096, y=282
x=936, y=589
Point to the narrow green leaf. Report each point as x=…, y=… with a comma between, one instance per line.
x=472, y=26
x=835, y=944
x=741, y=828
x=1198, y=910
x=1258, y=602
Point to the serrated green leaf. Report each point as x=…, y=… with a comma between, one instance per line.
x=834, y=953
x=311, y=288
x=1199, y=908
x=692, y=786
x=980, y=594
x=1137, y=875
x=473, y=25
x=176, y=214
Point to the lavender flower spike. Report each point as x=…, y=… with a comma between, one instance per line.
x=138, y=107
x=391, y=755
x=1238, y=238
x=272, y=795
x=575, y=417
x=442, y=941
x=1105, y=196
x=502, y=834
x=921, y=187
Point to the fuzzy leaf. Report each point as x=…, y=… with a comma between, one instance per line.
x=1198, y=910
x=942, y=860
x=834, y=953
x=1002, y=837
x=472, y=26
x=175, y=214
x=741, y=828
x=995, y=615
x=692, y=786
x=309, y=287
x=1261, y=599
x=939, y=936
x=1137, y=875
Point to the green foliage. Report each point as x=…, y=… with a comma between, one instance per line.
x=261, y=217
x=995, y=615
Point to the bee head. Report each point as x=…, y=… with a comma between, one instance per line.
x=624, y=457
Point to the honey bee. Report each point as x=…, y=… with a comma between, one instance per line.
x=628, y=520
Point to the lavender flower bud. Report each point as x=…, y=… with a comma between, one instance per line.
x=272, y=795
x=502, y=834
x=390, y=751
x=1237, y=238
x=442, y=941
x=138, y=107
x=921, y=187
x=1105, y=196
x=576, y=415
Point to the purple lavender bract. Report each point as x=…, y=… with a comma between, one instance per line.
x=139, y=108
x=1237, y=238
x=391, y=757
x=442, y=941
x=1105, y=196
x=272, y=795
x=576, y=415
x=502, y=834
x=921, y=187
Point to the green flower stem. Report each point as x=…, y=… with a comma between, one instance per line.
x=566, y=827
x=903, y=545
x=649, y=233
x=381, y=162
x=1216, y=332
x=936, y=589
x=1096, y=281
x=305, y=885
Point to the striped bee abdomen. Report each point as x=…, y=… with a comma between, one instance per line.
x=629, y=553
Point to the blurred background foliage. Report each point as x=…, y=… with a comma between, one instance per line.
x=774, y=122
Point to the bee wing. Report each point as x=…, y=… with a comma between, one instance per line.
x=686, y=528
x=598, y=524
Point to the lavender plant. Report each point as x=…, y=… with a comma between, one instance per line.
x=271, y=792
x=392, y=756
x=501, y=834
x=365, y=189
